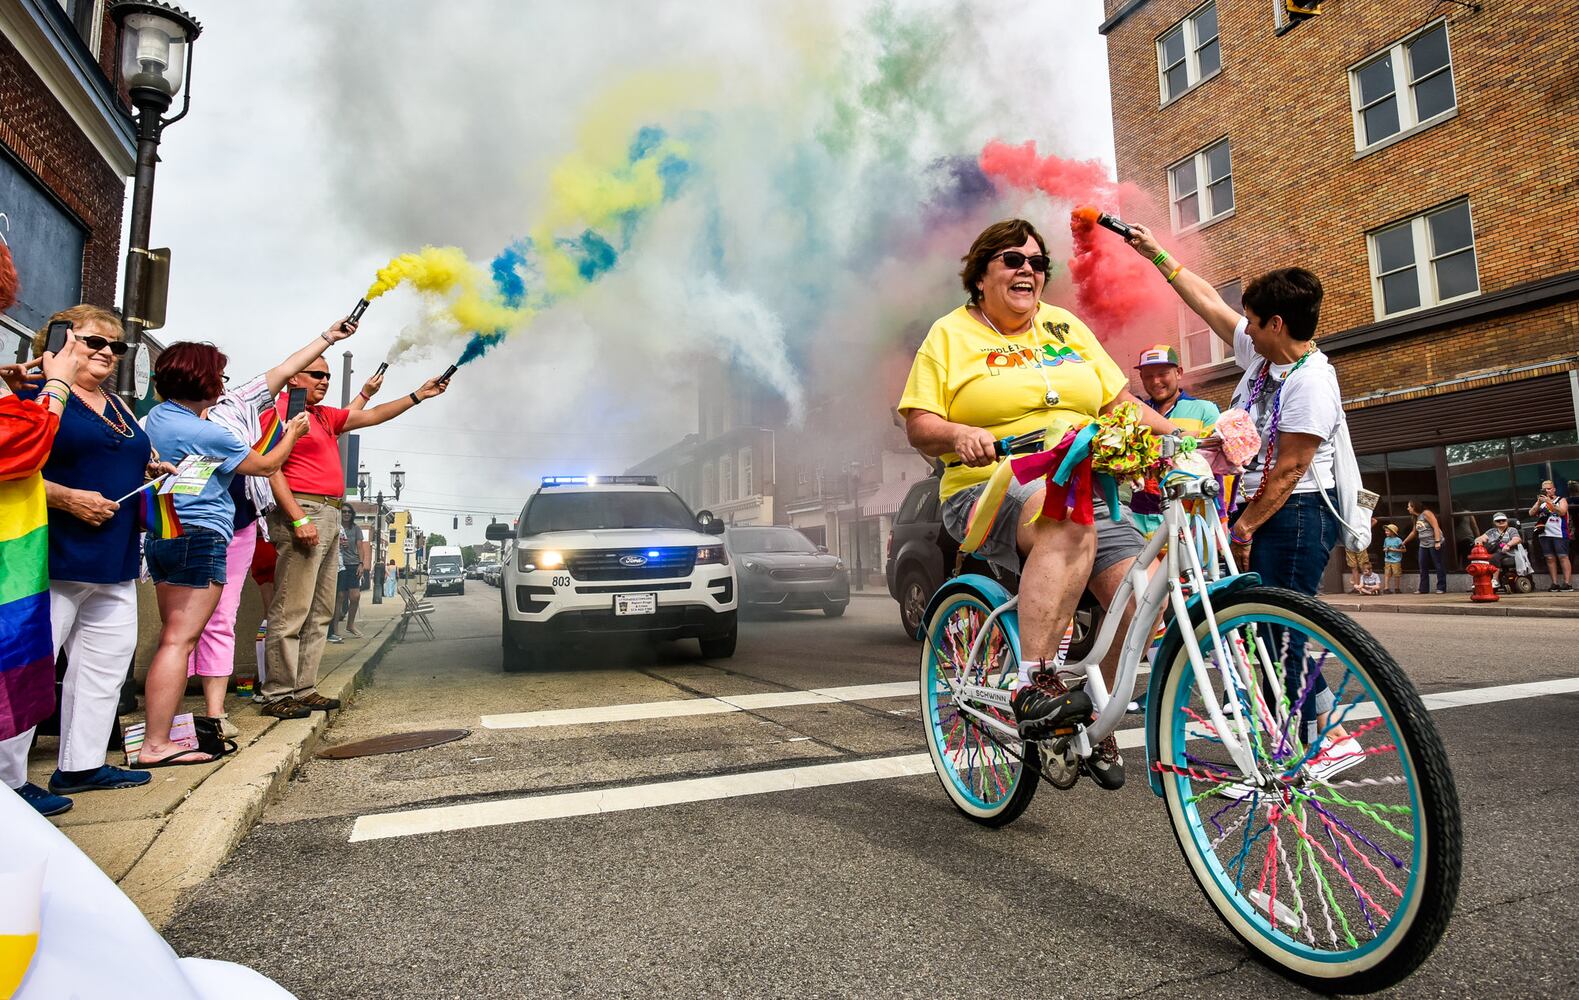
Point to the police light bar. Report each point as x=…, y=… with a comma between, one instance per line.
x=595, y=480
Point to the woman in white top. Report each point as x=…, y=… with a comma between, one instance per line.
x=1551, y=513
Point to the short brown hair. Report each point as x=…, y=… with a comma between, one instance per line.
x=190, y=370
x=995, y=239
x=1290, y=292
x=78, y=315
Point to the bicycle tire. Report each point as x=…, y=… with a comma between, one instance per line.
x=950, y=737
x=1269, y=928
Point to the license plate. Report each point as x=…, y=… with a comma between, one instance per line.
x=635, y=604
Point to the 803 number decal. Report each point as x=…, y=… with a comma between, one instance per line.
x=561, y=581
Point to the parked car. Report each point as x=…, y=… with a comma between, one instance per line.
x=921, y=556
x=445, y=573
x=781, y=568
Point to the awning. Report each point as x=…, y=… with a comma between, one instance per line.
x=888, y=497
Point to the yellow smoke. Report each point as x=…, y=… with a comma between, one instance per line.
x=446, y=271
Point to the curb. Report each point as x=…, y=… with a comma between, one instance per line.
x=202, y=831
x=1496, y=610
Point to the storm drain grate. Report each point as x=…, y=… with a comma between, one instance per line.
x=394, y=743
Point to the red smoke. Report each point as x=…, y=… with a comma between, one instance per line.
x=1120, y=294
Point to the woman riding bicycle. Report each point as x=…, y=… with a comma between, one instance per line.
x=1005, y=364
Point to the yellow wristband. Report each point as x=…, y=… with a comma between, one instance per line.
x=1175, y=273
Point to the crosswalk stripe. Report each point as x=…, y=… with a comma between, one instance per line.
x=559, y=805
x=699, y=706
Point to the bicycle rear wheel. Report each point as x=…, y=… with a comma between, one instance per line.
x=989, y=777
x=1340, y=867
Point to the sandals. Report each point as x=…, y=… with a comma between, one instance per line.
x=176, y=759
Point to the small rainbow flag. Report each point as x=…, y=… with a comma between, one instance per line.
x=157, y=512
x=273, y=431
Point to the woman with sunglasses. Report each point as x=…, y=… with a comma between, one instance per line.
x=100, y=456
x=1003, y=364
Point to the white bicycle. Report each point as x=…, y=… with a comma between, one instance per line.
x=1346, y=884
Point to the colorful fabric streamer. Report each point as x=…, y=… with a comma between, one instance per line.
x=27, y=655
x=273, y=432
x=157, y=512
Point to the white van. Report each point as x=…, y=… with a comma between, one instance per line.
x=446, y=569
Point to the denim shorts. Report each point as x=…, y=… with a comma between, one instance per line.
x=1553, y=545
x=1116, y=540
x=196, y=558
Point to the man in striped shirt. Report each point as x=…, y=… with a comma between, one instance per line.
x=1159, y=375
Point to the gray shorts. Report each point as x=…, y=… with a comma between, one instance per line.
x=1116, y=540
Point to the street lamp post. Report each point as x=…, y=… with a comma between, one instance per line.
x=397, y=480
x=155, y=58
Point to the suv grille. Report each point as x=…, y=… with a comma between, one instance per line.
x=804, y=573
x=604, y=564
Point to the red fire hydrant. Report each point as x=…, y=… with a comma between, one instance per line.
x=1483, y=571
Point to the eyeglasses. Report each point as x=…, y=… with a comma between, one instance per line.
x=1014, y=260
x=97, y=343
x=320, y=376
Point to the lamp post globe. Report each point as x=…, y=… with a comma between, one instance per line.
x=397, y=479
x=364, y=482
x=155, y=61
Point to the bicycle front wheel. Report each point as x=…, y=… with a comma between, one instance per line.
x=1335, y=857
x=990, y=777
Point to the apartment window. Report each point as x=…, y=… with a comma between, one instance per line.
x=1189, y=53
x=1202, y=186
x=1406, y=88
x=1424, y=261
x=726, y=479
x=709, y=497
x=1202, y=347
x=743, y=463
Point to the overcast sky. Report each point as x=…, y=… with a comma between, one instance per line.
x=323, y=139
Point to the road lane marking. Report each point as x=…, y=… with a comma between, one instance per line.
x=699, y=706
x=559, y=805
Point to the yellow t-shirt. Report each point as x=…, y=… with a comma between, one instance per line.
x=968, y=374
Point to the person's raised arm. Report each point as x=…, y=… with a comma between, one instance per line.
x=1195, y=290
x=297, y=362
x=376, y=415
x=369, y=390
x=933, y=436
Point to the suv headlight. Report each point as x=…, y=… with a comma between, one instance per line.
x=711, y=554
x=533, y=559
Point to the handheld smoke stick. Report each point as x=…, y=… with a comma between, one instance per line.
x=356, y=313
x=1105, y=220
x=448, y=372
x=383, y=366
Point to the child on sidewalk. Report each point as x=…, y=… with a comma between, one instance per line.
x=1392, y=562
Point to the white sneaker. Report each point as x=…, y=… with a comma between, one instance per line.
x=1336, y=758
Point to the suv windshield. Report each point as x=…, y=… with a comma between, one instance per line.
x=444, y=563
x=591, y=511
x=769, y=540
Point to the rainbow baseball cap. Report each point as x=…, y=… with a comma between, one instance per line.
x=1158, y=354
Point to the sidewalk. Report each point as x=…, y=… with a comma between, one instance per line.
x=1540, y=604
x=161, y=839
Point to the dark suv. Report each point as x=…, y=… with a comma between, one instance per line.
x=921, y=556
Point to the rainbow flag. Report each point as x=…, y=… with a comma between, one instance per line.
x=273, y=431
x=27, y=653
x=157, y=512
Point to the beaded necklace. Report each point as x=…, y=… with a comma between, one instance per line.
x=1277, y=409
x=111, y=415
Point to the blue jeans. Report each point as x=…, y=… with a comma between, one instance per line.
x=1291, y=550
x=1432, y=558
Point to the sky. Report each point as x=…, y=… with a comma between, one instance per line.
x=782, y=187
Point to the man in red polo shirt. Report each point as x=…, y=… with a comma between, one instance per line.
x=305, y=530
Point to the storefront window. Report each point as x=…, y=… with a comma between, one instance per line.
x=1538, y=457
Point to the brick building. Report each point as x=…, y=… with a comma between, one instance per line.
x=67, y=146
x=1423, y=159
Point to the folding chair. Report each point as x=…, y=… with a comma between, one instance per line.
x=416, y=610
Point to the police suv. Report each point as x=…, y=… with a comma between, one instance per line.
x=612, y=555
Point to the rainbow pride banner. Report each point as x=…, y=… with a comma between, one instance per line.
x=27, y=655
x=273, y=431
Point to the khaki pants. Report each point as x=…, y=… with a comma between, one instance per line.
x=303, y=602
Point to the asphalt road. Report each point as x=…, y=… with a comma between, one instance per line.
x=876, y=888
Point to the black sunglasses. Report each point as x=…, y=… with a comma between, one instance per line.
x=1014, y=260
x=97, y=343
x=321, y=376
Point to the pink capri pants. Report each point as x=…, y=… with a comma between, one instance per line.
x=215, y=652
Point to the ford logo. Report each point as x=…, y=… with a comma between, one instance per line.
x=633, y=560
